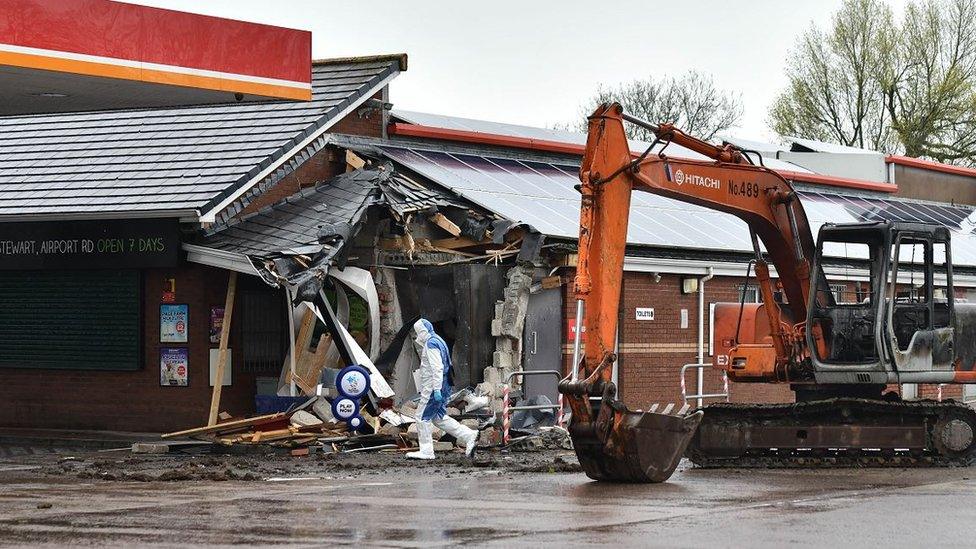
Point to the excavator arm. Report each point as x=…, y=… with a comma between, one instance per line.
x=613, y=442
x=728, y=183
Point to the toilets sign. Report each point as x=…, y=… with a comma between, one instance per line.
x=645, y=313
x=131, y=243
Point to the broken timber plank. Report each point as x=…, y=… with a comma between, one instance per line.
x=222, y=354
x=457, y=242
x=354, y=161
x=443, y=222
x=227, y=426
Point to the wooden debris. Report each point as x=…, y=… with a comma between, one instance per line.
x=224, y=341
x=226, y=426
x=550, y=282
x=443, y=222
x=354, y=161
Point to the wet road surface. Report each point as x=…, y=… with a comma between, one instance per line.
x=435, y=507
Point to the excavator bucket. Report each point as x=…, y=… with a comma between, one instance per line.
x=616, y=444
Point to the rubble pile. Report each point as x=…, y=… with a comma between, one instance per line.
x=312, y=427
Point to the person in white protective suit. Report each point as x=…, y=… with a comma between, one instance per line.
x=435, y=388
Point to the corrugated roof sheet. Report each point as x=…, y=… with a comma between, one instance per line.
x=561, y=136
x=161, y=160
x=542, y=194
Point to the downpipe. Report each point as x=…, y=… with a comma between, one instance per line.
x=701, y=333
x=577, y=339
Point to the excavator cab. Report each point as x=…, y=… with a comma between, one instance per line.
x=882, y=303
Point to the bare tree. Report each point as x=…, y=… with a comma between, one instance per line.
x=834, y=92
x=870, y=82
x=692, y=102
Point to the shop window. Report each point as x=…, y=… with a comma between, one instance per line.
x=751, y=293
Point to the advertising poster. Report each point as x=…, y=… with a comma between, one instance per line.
x=169, y=291
x=174, y=367
x=173, y=323
x=216, y=323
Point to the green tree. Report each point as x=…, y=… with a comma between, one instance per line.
x=930, y=82
x=834, y=93
x=869, y=81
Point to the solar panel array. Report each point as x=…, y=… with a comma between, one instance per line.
x=542, y=194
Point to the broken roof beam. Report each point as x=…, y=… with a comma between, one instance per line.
x=443, y=222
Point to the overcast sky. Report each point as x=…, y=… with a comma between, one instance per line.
x=534, y=62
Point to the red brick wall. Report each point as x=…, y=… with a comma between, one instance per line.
x=327, y=163
x=135, y=401
x=322, y=166
x=365, y=122
x=652, y=352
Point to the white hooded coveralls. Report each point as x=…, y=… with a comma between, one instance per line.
x=431, y=379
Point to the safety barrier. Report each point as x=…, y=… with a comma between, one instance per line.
x=701, y=397
x=507, y=408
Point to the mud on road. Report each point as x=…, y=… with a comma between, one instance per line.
x=177, y=467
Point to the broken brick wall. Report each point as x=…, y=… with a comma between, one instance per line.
x=327, y=163
x=134, y=400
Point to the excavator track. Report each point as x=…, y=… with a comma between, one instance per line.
x=837, y=432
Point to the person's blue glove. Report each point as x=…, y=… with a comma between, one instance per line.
x=437, y=396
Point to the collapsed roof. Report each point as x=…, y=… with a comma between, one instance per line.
x=308, y=230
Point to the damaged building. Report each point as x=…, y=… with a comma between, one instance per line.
x=331, y=226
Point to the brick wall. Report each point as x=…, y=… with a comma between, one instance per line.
x=367, y=122
x=325, y=164
x=135, y=401
x=653, y=351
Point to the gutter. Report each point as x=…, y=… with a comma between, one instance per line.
x=221, y=259
x=465, y=136
x=185, y=216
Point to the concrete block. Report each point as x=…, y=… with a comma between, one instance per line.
x=489, y=437
x=304, y=419
x=504, y=344
x=500, y=359
x=496, y=327
x=323, y=410
x=150, y=448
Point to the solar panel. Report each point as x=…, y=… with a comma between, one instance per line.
x=543, y=195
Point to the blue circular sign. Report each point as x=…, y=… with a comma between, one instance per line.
x=353, y=382
x=345, y=409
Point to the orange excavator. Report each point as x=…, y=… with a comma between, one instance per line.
x=838, y=355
